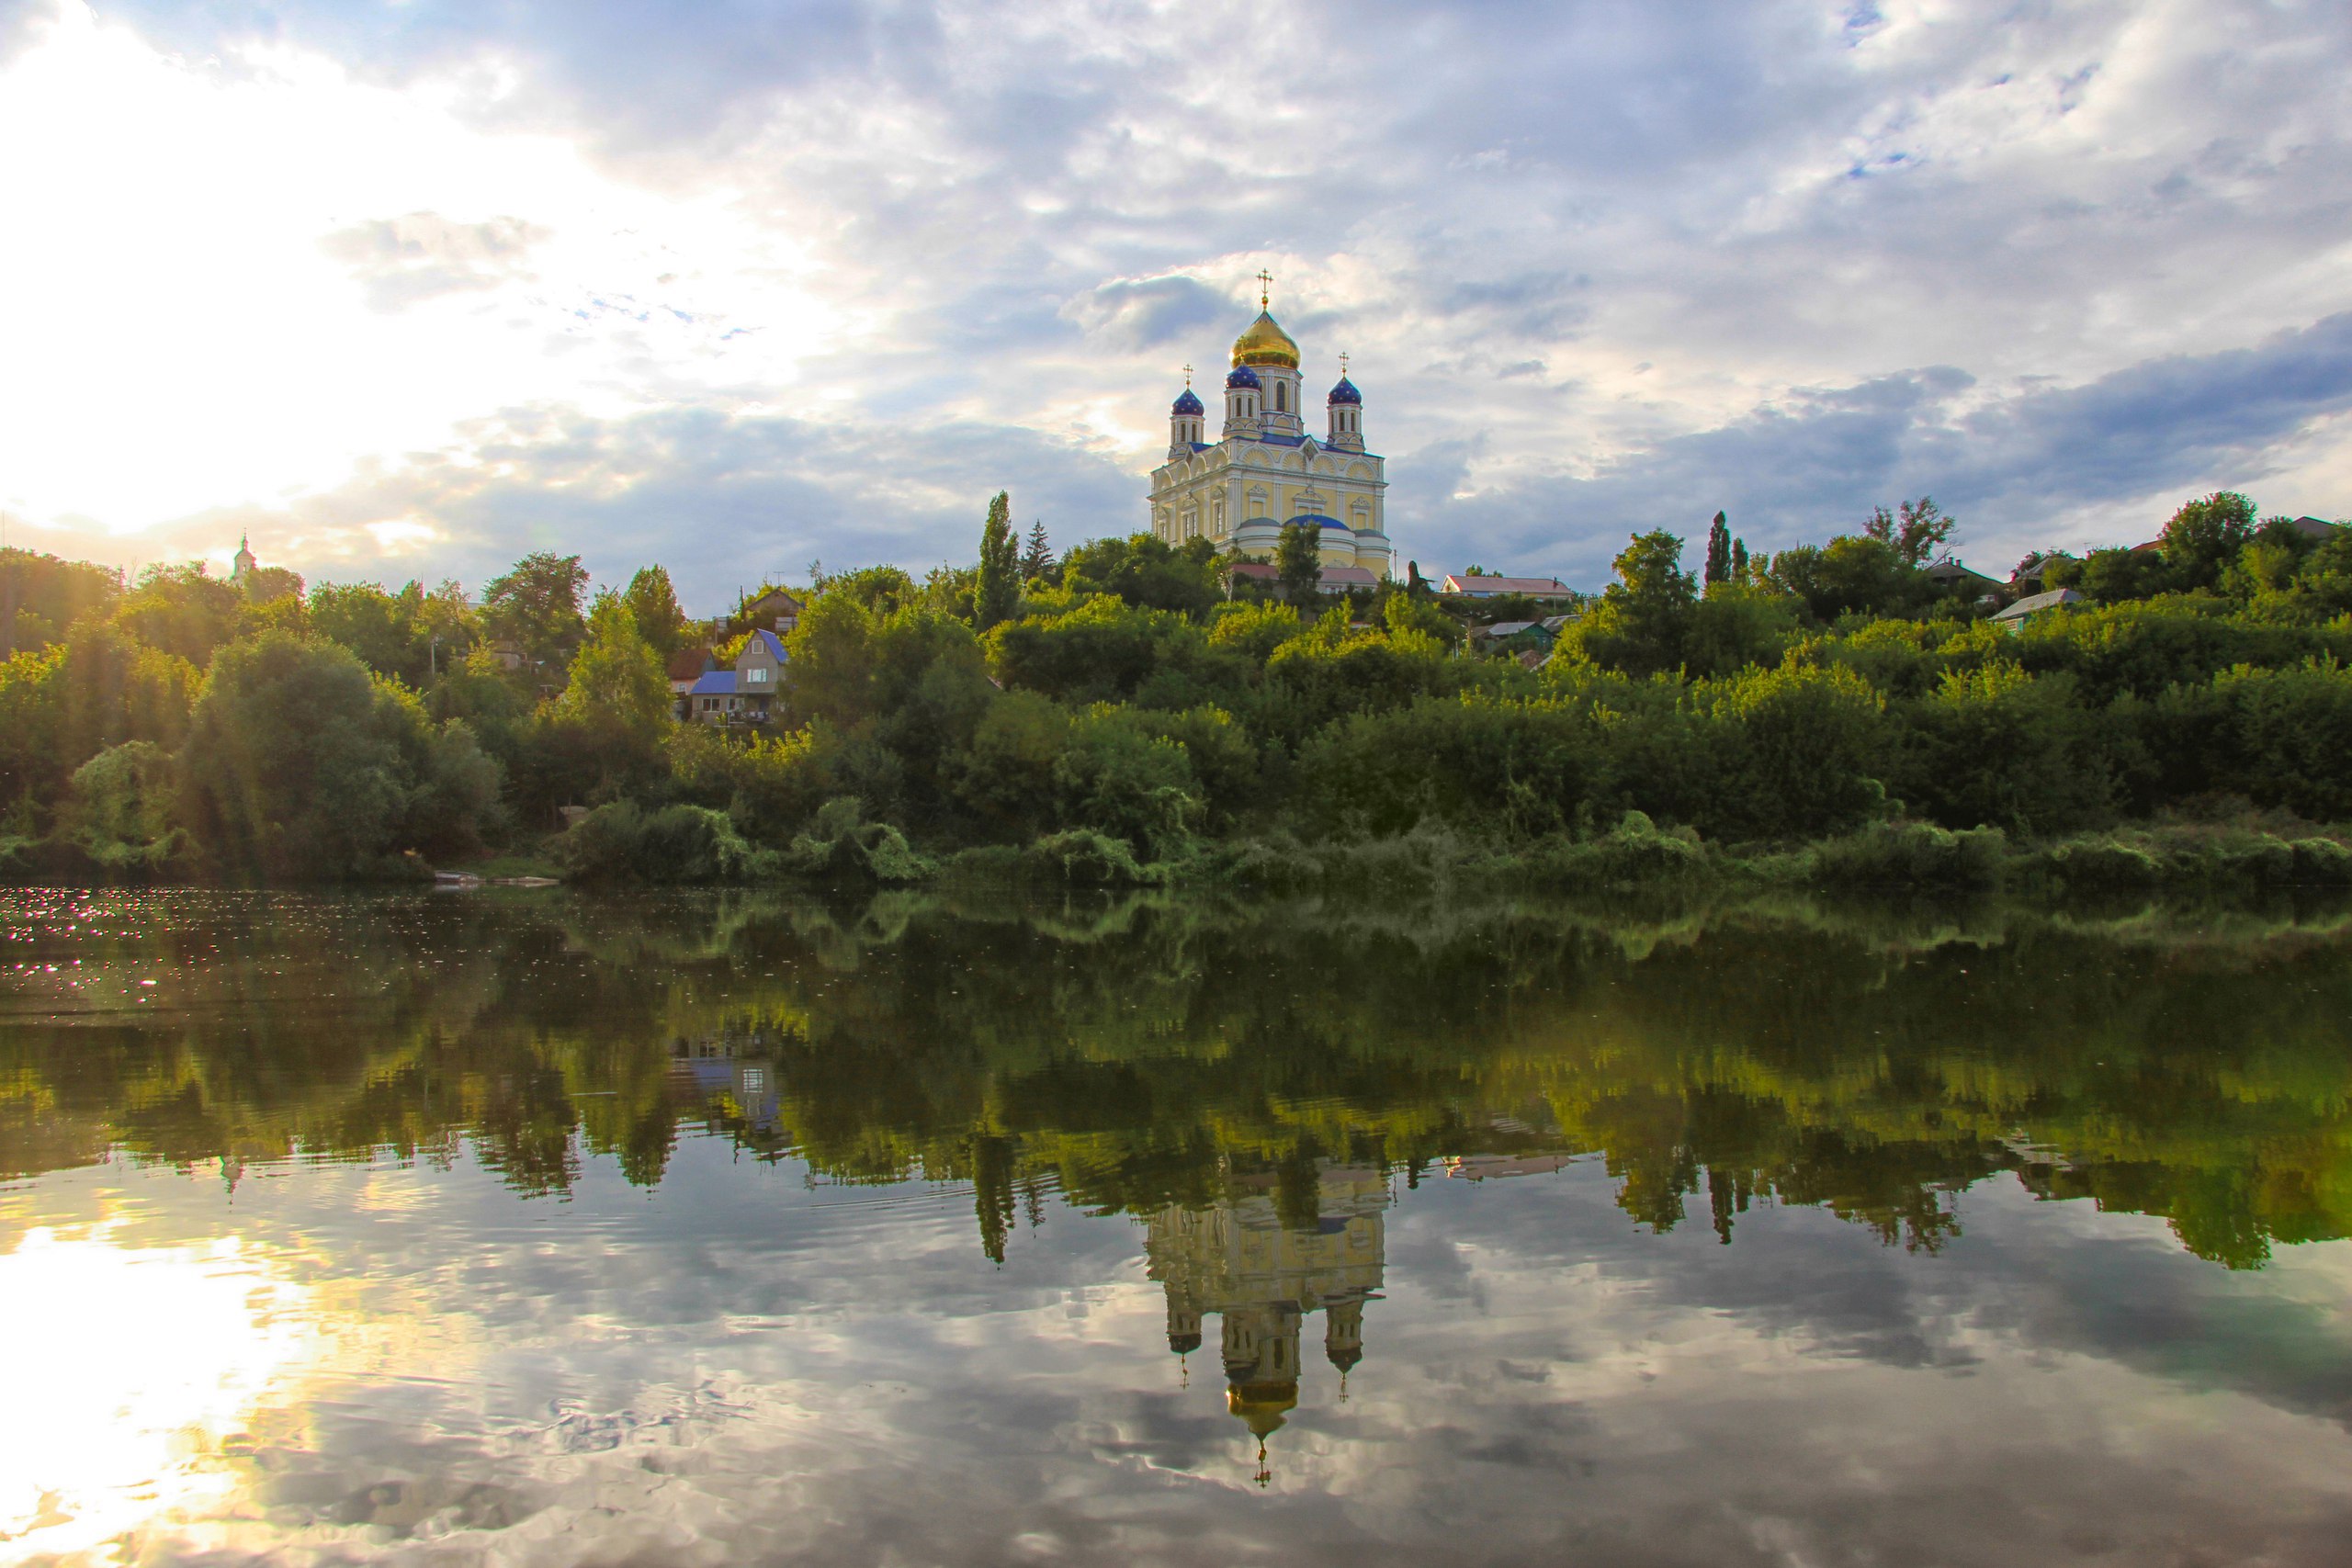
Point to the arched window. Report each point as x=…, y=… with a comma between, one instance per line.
x=1281, y=397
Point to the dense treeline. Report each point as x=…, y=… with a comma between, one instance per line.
x=1119, y=709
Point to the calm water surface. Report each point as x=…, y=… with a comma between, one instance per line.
x=531, y=1229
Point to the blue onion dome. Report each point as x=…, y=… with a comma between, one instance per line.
x=1317, y=520
x=1242, y=376
x=1186, y=403
x=1345, y=392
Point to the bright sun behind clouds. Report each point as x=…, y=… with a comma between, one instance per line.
x=250, y=276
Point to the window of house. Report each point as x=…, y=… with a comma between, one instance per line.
x=757, y=675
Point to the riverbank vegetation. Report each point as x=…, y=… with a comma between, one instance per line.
x=1834, y=713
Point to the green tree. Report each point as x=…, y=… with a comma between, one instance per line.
x=618, y=687
x=2112, y=576
x=384, y=629
x=536, y=606
x=653, y=605
x=300, y=765
x=1852, y=573
x=1914, y=532
x=1739, y=560
x=2204, y=538
x=1642, y=623
x=1148, y=572
x=998, y=594
x=41, y=596
x=121, y=812
x=1718, y=551
x=1298, y=562
x=1037, y=560
x=183, y=610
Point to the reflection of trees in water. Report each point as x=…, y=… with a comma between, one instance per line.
x=1133, y=1053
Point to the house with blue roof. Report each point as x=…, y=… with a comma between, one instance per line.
x=741, y=695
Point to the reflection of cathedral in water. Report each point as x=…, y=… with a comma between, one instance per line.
x=1262, y=1278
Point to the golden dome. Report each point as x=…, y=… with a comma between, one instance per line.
x=1265, y=343
x=1262, y=1406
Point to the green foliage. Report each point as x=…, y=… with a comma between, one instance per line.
x=1102, y=649
x=1736, y=625
x=1913, y=854
x=1404, y=613
x=1793, y=753
x=1852, y=574
x=622, y=842
x=181, y=611
x=878, y=589
x=653, y=605
x=1148, y=572
x=394, y=634
x=1299, y=561
x=113, y=688
x=535, y=606
x=1997, y=747
x=40, y=596
x=1037, y=564
x=300, y=766
x=841, y=845
x=2204, y=538
x=1642, y=623
x=1471, y=762
x=1118, y=777
x=2276, y=737
x=121, y=807
x=999, y=593
x=1913, y=533
x=1718, y=567
x=1133, y=703
x=2115, y=575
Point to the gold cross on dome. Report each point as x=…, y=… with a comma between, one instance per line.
x=1188, y=375
x=1266, y=287
x=1343, y=368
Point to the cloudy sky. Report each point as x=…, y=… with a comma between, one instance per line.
x=409, y=287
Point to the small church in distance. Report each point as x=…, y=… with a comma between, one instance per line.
x=1265, y=470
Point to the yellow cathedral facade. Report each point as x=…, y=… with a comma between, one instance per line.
x=1266, y=468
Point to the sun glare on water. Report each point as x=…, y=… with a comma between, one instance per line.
x=124, y=1371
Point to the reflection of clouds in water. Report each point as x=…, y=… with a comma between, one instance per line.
x=739, y=1369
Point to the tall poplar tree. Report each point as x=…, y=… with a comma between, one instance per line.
x=1718, y=568
x=998, y=593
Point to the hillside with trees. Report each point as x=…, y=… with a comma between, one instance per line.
x=1126, y=712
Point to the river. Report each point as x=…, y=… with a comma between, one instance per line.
x=523, y=1227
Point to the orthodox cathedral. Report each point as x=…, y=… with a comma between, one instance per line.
x=1265, y=470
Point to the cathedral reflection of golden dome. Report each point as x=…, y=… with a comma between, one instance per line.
x=1264, y=343
x=1262, y=1406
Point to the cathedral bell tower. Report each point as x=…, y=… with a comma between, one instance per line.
x=1346, y=406
x=1184, y=417
x=1242, y=391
